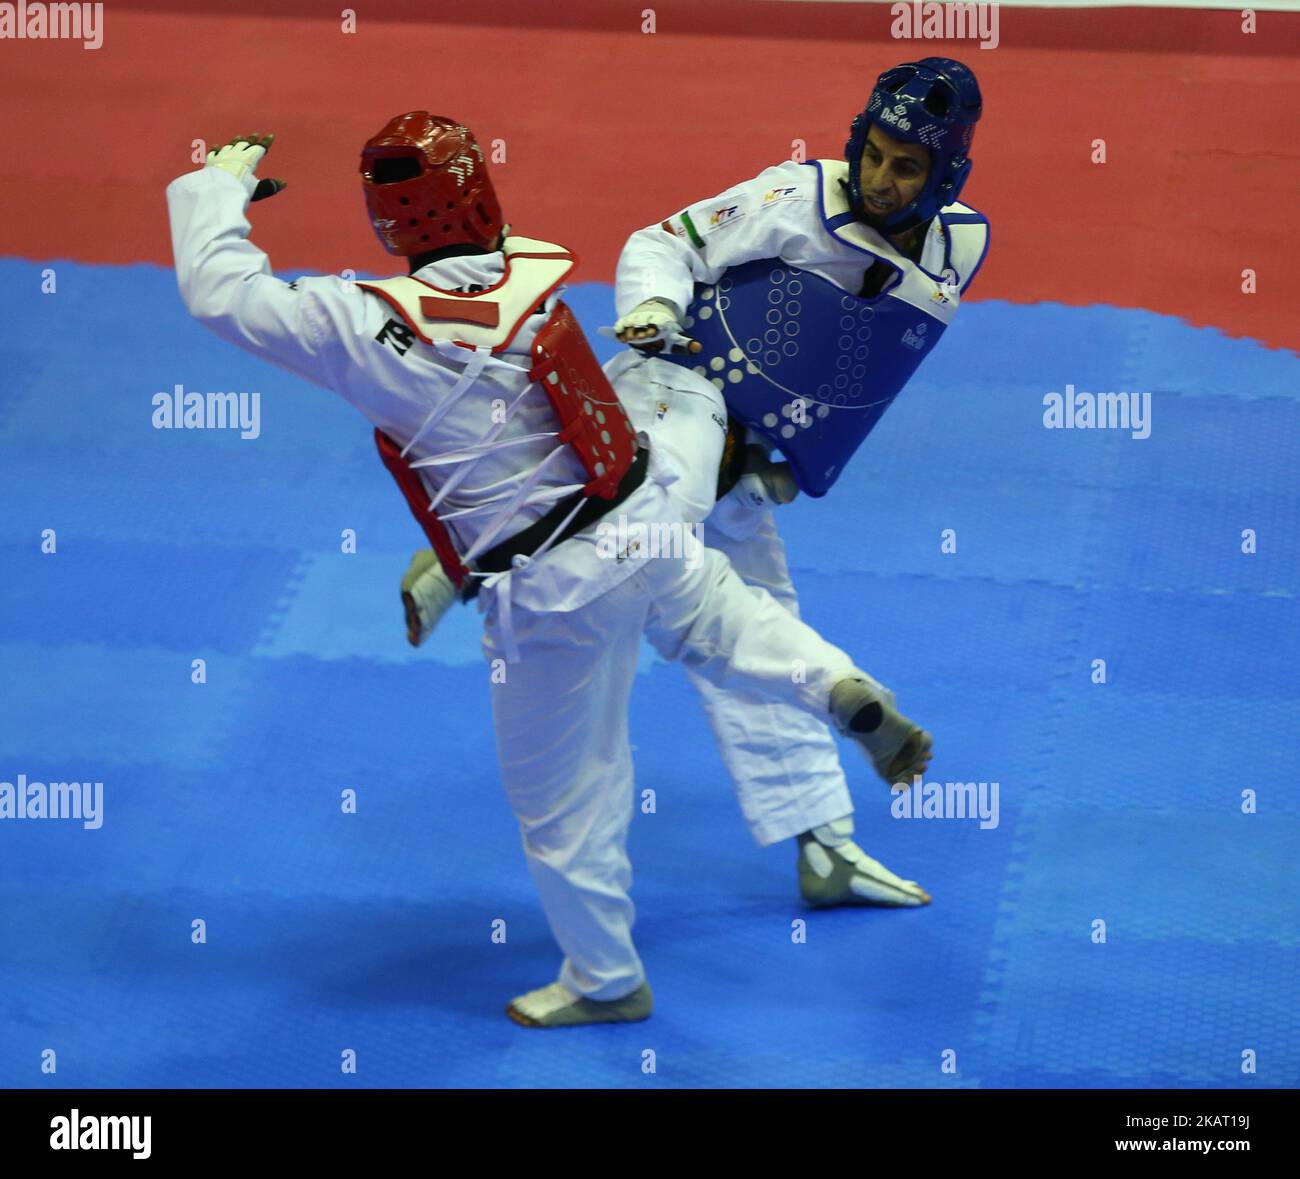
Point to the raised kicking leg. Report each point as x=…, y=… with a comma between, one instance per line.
x=784, y=763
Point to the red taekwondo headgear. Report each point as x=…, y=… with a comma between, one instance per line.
x=427, y=186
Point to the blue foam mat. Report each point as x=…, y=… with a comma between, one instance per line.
x=1119, y=802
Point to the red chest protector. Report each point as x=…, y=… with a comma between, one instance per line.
x=591, y=420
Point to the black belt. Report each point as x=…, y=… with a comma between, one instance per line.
x=500, y=557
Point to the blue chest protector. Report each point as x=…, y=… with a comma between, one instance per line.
x=810, y=368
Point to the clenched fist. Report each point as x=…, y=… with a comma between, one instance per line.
x=652, y=326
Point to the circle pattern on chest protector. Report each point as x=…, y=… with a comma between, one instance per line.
x=779, y=342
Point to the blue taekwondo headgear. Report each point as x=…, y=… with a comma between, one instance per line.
x=934, y=102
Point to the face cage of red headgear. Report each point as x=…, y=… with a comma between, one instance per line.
x=433, y=208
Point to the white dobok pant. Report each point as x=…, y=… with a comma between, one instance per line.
x=783, y=763
x=560, y=710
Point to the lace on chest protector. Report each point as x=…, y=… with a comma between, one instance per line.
x=481, y=324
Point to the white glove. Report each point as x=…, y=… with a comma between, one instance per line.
x=427, y=594
x=240, y=157
x=653, y=325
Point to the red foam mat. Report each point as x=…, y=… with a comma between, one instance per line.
x=607, y=128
